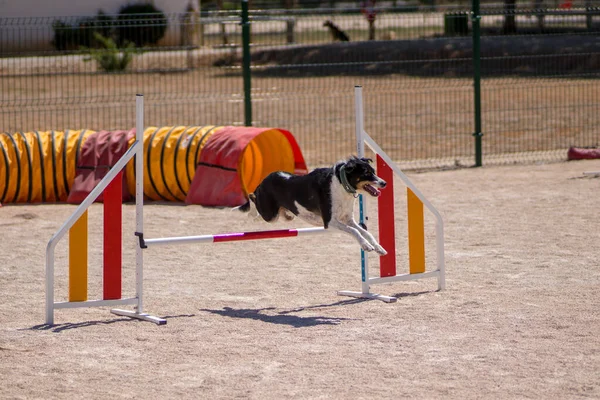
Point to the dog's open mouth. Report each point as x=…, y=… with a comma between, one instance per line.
x=372, y=190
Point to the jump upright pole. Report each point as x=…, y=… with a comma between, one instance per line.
x=138, y=313
x=81, y=301
x=417, y=202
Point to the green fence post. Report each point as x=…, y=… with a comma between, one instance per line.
x=476, y=17
x=246, y=64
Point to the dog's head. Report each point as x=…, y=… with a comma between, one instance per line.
x=361, y=176
x=328, y=23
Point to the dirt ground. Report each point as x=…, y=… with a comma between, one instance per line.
x=519, y=317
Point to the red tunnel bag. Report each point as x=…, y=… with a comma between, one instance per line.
x=98, y=155
x=575, y=153
x=217, y=182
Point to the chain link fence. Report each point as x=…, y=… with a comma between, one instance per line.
x=539, y=73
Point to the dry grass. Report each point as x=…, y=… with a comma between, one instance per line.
x=414, y=118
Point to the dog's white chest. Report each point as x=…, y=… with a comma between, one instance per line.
x=342, y=202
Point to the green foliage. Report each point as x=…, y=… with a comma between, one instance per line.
x=109, y=56
x=141, y=24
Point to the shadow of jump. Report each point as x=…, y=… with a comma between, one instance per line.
x=337, y=303
x=280, y=318
x=285, y=317
x=414, y=294
x=57, y=328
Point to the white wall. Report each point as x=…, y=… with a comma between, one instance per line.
x=58, y=8
x=37, y=36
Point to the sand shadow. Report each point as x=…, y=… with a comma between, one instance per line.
x=346, y=302
x=413, y=294
x=279, y=318
x=284, y=317
x=57, y=328
x=355, y=301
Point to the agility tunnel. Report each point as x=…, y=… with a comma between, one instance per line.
x=206, y=165
x=583, y=153
x=39, y=166
x=235, y=160
x=213, y=165
x=96, y=157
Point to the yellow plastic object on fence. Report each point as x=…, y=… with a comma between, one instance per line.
x=39, y=166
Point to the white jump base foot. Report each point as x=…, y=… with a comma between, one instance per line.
x=373, y=296
x=143, y=316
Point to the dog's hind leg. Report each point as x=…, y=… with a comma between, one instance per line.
x=308, y=216
x=364, y=243
x=367, y=235
x=269, y=215
x=265, y=206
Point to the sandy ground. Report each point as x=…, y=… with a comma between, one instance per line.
x=519, y=317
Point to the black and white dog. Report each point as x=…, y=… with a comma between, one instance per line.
x=324, y=197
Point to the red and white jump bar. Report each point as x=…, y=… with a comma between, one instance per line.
x=233, y=237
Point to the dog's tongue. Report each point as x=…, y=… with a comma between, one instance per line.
x=373, y=191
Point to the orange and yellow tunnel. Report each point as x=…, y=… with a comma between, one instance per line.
x=55, y=166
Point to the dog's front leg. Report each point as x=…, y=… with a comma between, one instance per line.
x=364, y=244
x=367, y=235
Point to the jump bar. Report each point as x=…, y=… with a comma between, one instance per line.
x=235, y=237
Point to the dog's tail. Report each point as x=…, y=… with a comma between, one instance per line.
x=247, y=205
x=243, y=208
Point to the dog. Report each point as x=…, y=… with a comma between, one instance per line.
x=336, y=32
x=324, y=197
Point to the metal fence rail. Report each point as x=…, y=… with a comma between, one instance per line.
x=540, y=91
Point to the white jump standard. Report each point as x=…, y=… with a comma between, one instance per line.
x=386, y=169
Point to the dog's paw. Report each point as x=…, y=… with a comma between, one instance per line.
x=380, y=250
x=367, y=246
x=289, y=216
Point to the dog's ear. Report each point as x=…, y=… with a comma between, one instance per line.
x=367, y=160
x=350, y=164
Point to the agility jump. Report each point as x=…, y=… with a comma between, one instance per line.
x=111, y=185
x=386, y=169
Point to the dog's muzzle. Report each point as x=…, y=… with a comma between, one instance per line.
x=372, y=187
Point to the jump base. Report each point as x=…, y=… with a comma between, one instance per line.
x=143, y=316
x=361, y=295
